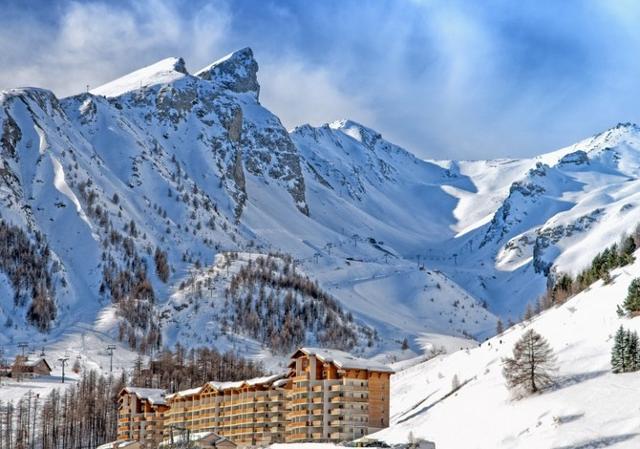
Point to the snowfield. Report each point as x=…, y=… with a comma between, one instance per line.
x=589, y=407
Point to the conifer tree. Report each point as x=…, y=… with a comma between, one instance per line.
x=625, y=354
x=631, y=351
x=627, y=248
x=617, y=352
x=531, y=368
x=632, y=301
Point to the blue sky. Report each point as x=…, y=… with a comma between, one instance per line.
x=445, y=79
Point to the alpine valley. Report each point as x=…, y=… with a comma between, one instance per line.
x=171, y=206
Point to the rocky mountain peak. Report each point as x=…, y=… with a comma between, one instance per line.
x=237, y=72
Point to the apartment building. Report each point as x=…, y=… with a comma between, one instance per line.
x=335, y=396
x=326, y=395
x=249, y=412
x=141, y=415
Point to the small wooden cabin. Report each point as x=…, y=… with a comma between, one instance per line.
x=30, y=368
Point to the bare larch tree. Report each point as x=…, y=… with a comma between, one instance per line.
x=532, y=366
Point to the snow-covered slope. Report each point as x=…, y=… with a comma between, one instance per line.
x=588, y=407
x=567, y=207
x=127, y=191
x=124, y=192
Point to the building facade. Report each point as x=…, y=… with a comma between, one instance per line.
x=326, y=395
x=141, y=413
x=335, y=396
x=249, y=412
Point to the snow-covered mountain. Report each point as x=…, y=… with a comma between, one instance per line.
x=119, y=198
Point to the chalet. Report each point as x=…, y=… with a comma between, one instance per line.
x=141, y=414
x=23, y=367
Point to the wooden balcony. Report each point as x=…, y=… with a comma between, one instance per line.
x=296, y=437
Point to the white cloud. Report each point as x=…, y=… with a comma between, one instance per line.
x=96, y=42
x=301, y=94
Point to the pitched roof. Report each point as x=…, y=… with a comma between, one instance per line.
x=185, y=393
x=153, y=395
x=118, y=444
x=274, y=379
x=196, y=436
x=31, y=363
x=344, y=360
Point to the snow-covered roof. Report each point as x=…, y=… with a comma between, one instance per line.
x=195, y=436
x=185, y=393
x=274, y=379
x=345, y=360
x=35, y=362
x=119, y=444
x=153, y=395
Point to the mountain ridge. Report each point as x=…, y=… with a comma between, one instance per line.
x=165, y=165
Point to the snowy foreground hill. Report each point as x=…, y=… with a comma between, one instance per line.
x=120, y=208
x=589, y=407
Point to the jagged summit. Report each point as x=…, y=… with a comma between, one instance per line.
x=353, y=129
x=165, y=71
x=237, y=72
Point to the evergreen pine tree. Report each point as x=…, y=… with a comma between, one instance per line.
x=632, y=301
x=627, y=248
x=617, y=352
x=630, y=352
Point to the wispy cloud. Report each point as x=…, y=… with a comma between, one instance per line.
x=457, y=79
x=94, y=42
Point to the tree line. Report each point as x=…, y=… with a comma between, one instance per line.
x=562, y=286
x=83, y=415
x=181, y=369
